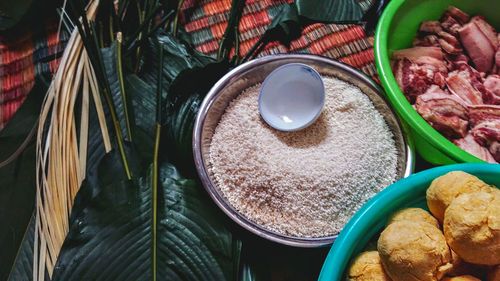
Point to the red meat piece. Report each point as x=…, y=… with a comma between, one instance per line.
x=488, y=30
x=414, y=79
x=492, y=89
x=417, y=52
x=449, y=43
x=478, y=45
x=462, y=87
x=446, y=113
x=458, y=14
x=432, y=27
x=469, y=144
x=487, y=134
x=484, y=112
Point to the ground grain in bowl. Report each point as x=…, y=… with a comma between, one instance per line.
x=306, y=183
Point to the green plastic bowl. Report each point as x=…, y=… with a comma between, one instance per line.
x=396, y=30
x=371, y=218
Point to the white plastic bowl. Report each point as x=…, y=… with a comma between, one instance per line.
x=292, y=97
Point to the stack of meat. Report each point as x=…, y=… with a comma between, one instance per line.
x=451, y=76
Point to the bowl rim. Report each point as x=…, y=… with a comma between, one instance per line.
x=341, y=251
x=210, y=187
x=397, y=98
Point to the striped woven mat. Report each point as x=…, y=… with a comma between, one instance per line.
x=207, y=20
x=30, y=50
x=25, y=53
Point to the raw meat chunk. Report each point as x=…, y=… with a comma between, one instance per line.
x=495, y=150
x=458, y=14
x=417, y=52
x=497, y=60
x=485, y=112
x=449, y=43
x=414, y=79
x=450, y=24
x=445, y=112
x=478, y=45
x=455, y=62
x=432, y=26
x=470, y=145
x=492, y=86
x=463, y=89
x=487, y=30
x=487, y=134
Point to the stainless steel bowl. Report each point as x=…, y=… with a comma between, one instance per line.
x=254, y=72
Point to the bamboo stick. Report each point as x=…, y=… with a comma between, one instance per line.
x=61, y=151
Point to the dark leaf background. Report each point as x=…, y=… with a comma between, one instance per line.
x=17, y=176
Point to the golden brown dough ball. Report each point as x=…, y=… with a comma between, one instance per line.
x=494, y=274
x=414, y=214
x=414, y=251
x=367, y=267
x=472, y=227
x=461, y=278
x=447, y=187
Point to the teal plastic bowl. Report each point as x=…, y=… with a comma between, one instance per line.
x=371, y=218
x=396, y=30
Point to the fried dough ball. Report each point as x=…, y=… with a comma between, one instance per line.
x=472, y=227
x=414, y=214
x=494, y=274
x=461, y=278
x=367, y=267
x=447, y=187
x=414, y=251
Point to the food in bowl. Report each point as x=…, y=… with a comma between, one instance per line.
x=306, y=183
x=446, y=188
x=472, y=227
x=367, y=267
x=450, y=75
x=414, y=214
x=412, y=247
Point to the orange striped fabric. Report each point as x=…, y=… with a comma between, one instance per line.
x=25, y=53
x=206, y=21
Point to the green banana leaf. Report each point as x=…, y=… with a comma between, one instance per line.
x=187, y=77
x=111, y=222
x=17, y=176
x=110, y=232
x=184, y=100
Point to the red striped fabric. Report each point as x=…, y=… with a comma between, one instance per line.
x=206, y=20
x=25, y=53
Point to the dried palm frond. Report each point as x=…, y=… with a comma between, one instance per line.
x=61, y=150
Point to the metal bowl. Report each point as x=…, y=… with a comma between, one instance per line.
x=254, y=72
